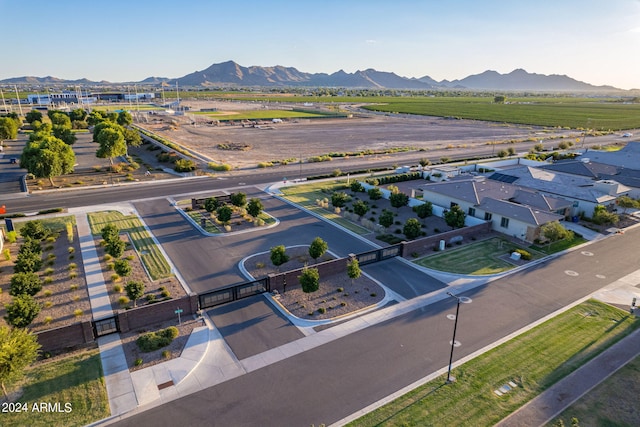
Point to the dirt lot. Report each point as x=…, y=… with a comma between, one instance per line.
x=303, y=138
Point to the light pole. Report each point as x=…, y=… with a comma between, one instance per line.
x=451, y=379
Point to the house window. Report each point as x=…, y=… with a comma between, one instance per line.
x=487, y=216
x=472, y=211
x=504, y=222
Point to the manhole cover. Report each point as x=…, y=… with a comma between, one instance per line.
x=451, y=316
x=456, y=344
x=571, y=273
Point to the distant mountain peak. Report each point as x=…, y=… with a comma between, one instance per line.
x=230, y=73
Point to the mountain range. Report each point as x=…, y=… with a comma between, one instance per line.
x=231, y=74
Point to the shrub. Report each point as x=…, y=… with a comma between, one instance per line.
x=77, y=312
x=7, y=254
x=322, y=310
x=166, y=354
x=184, y=165
x=340, y=290
x=155, y=340
x=47, y=293
x=72, y=266
x=123, y=301
x=48, y=271
x=115, y=277
x=12, y=236
x=48, y=280
x=48, y=320
x=117, y=288
x=373, y=294
x=165, y=293
x=525, y=255
x=138, y=362
x=219, y=167
x=73, y=275
x=74, y=287
x=150, y=297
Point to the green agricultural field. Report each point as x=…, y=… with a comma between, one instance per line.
x=477, y=258
x=154, y=261
x=575, y=113
x=75, y=383
x=560, y=346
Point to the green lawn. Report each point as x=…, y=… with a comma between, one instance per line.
x=476, y=258
x=74, y=381
x=534, y=361
x=56, y=224
x=154, y=261
x=614, y=402
x=559, y=246
x=307, y=194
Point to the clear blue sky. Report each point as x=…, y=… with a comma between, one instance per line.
x=596, y=41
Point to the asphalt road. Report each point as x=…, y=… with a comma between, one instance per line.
x=345, y=375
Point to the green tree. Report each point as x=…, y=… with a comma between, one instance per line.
x=223, y=213
x=499, y=99
x=30, y=245
x=393, y=189
x=502, y=153
x=411, y=228
x=317, y=248
x=538, y=147
x=78, y=115
x=124, y=118
x=454, y=217
x=356, y=187
x=353, y=269
x=424, y=210
x=424, y=162
x=18, y=349
x=27, y=262
x=360, y=208
x=238, y=199
x=511, y=151
x=374, y=193
x=25, y=283
x=21, y=311
x=95, y=117
x=110, y=232
x=115, y=248
x=132, y=138
x=626, y=202
x=254, y=207
x=34, y=230
x=8, y=128
x=65, y=134
x=398, y=200
x=112, y=144
x=309, y=280
x=279, y=256
x=48, y=158
x=386, y=218
x=134, y=290
x=554, y=231
x=211, y=204
x=33, y=116
x=122, y=267
x=339, y=199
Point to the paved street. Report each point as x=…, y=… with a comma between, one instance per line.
x=347, y=374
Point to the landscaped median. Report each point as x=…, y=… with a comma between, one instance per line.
x=532, y=361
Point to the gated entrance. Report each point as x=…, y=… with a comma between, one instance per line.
x=370, y=257
x=106, y=326
x=233, y=293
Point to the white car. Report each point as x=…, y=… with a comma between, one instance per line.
x=627, y=135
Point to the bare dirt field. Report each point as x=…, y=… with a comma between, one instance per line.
x=304, y=138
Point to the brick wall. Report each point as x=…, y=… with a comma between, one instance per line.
x=426, y=244
x=147, y=315
x=327, y=268
x=66, y=337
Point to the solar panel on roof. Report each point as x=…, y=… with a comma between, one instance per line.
x=501, y=177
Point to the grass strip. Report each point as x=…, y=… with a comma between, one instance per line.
x=534, y=361
x=72, y=388
x=154, y=261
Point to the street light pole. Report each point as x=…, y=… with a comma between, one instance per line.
x=451, y=379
